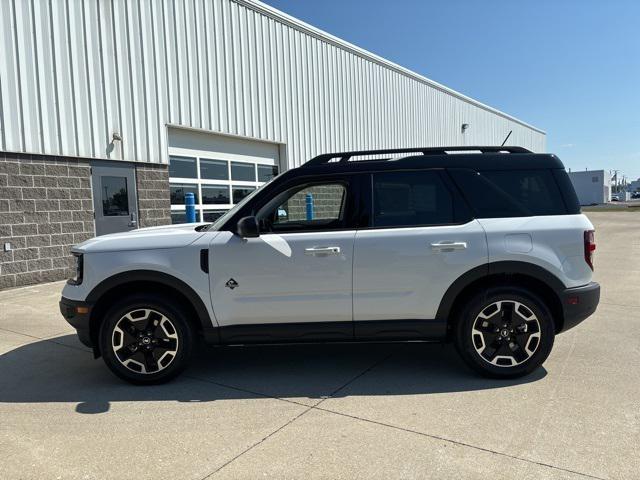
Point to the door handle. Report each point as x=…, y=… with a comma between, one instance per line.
x=132, y=220
x=322, y=251
x=448, y=246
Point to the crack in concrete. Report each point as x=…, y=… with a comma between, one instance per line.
x=619, y=305
x=47, y=339
x=316, y=406
x=364, y=372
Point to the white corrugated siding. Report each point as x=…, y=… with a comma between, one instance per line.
x=73, y=72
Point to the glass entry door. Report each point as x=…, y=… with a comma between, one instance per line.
x=114, y=198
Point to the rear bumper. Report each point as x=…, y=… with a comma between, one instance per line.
x=579, y=303
x=70, y=310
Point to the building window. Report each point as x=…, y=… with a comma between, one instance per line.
x=115, y=200
x=594, y=179
x=217, y=184
x=214, y=169
x=178, y=216
x=243, y=172
x=266, y=172
x=215, y=195
x=211, y=215
x=179, y=189
x=182, y=167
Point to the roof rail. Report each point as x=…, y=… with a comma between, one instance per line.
x=344, y=157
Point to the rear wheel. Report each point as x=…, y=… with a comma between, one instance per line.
x=145, y=339
x=505, y=333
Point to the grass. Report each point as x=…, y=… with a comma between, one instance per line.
x=612, y=208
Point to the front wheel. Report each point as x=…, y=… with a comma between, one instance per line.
x=145, y=339
x=505, y=333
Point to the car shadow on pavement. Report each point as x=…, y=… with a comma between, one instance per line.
x=62, y=370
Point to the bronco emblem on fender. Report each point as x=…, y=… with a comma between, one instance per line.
x=231, y=284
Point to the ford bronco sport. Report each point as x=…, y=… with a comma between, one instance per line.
x=481, y=246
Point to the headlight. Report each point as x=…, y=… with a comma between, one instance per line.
x=77, y=278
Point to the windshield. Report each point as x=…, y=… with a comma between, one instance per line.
x=221, y=220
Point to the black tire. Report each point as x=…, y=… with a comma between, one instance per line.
x=513, y=351
x=167, y=339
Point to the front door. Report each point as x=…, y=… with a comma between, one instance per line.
x=295, y=280
x=114, y=198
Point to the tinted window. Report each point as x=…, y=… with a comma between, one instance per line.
x=240, y=192
x=535, y=189
x=183, y=167
x=115, y=200
x=567, y=190
x=212, y=216
x=179, y=189
x=511, y=193
x=178, y=216
x=404, y=199
x=244, y=172
x=215, y=194
x=485, y=198
x=266, y=172
x=214, y=169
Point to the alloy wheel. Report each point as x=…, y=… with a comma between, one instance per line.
x=506, y=333
x=145, y=341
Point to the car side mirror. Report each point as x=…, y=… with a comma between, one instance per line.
x=248, y=227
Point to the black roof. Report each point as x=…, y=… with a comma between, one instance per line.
x=477, y=158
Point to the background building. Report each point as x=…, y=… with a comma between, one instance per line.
x=111, y=111
x=592, y=186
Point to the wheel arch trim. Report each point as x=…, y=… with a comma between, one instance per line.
x=526, y=269
x=153, y=276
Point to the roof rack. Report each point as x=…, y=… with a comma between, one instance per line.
x=344, y=157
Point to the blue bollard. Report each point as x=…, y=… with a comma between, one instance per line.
x=309, y=202
x=190, y=206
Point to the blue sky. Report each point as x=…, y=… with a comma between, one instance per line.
x=569, y=67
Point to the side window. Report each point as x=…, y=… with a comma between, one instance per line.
x=406, y=199
x=511, y=193
x=535, y=189
x=306, y=208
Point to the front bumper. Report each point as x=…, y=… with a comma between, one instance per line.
x=77, y=314
x=579, y=303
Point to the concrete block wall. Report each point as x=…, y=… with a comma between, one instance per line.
x=154, y=204
x=327, y=200
x=46, y=207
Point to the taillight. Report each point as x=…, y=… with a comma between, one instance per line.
x=589, y=247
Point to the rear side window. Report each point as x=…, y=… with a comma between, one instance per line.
x=511, y=193
x=406, y=199
x=568, y=192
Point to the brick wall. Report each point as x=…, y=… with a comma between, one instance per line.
x=154, y=204
x=45, y=207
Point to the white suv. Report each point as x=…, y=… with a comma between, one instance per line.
x=486, y=248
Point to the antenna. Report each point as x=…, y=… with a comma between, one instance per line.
x=505, y=140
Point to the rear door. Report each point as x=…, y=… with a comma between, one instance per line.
x=421, y=238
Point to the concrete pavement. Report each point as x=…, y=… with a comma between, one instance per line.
x=330, y=411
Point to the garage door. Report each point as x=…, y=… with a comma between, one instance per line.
x=219, y=170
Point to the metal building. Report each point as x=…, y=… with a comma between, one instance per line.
x=593, y=187
x=105, y=103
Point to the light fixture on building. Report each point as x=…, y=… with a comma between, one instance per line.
x=464, y=127
x=116, y=137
